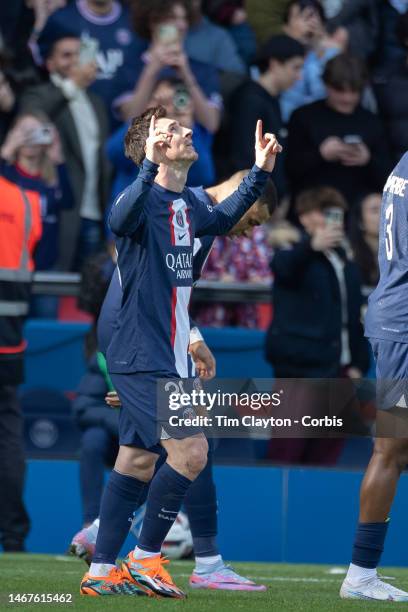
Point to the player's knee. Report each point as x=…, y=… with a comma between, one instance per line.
x=143, y=467
x=196, y=459
x=136, y=462
x=392, y=453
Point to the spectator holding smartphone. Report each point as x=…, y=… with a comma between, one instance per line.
x=325, y=335
x=104, y=27
x=316, y=330
x=165, y=23
x=82, y=122
x=335, y=141
x=32, y=158
x=305, y=21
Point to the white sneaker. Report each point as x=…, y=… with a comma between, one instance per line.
x=372, y=589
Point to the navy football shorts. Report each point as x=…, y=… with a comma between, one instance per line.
x=139, y=422
x=391, y=360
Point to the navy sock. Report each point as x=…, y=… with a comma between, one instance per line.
x=166, y=494
x=121, y=498
x=369, y=544
x=201, y=506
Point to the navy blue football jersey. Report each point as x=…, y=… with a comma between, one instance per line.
x=156, y=230
x=387, y=314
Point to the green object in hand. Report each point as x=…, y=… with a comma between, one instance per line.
x=102, y=365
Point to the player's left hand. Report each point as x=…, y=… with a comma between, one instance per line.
x=266, y=148
x=204, y=360
x=112, y=399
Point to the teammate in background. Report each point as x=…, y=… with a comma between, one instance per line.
x=156, y=219
x=386, y=326
x=201, y=500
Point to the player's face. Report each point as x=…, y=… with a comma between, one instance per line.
x=65, y=57
x=181, y=143
x=289, y=72
x=370, y=214
x=343, y=101
x=256, y=215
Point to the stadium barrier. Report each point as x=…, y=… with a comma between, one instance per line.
x=67, y=284
x=265, y=514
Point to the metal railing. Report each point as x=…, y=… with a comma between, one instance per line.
x=67, y=284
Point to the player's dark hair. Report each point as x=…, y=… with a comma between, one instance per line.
x=319, y=198
x=269, y=197
x=346, y=72
x=363, y=255
x=303, y=4
x=146, y=14
x=138, y=132
x=281, y=48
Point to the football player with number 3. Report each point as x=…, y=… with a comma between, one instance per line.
x=386, y=326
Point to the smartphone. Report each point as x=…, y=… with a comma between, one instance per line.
x=334, y=216
x=88, y=51
x=352, y=139
x=168, y=34
x=40, y=136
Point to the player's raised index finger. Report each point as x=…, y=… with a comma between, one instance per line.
x=258, y=131
x=152, y=126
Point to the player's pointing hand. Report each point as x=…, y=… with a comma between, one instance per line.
x=157, y=143
x=266, y=148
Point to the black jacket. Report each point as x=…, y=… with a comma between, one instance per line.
x=310, y=125
x=391, y=91
x=304, y=338
x=249, y=103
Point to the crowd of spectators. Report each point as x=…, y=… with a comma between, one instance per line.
x=81, y=69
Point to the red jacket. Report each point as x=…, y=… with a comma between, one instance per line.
x=20, y=230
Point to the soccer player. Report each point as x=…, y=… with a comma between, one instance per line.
x=155, y=220
x=201, y=501
x=387, y=328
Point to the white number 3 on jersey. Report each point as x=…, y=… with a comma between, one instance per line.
x=389, y=215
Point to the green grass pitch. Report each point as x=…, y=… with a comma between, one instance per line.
x=300, y=588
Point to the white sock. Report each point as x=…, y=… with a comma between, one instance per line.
x=357, y=574
x=204, y=564
x=92, y=530
x=144, y=554
x=100, y=569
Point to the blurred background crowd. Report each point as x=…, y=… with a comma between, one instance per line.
x=321, y=74
x=329, y=77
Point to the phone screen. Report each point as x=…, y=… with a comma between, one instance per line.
x=88, y=51
x=168, y=34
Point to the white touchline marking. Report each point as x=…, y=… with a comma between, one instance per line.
x=275, y=578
